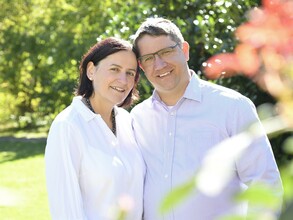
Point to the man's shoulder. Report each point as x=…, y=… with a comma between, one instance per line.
x=212, y=92
x=219, y=90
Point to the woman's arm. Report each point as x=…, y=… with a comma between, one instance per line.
x=62, y=158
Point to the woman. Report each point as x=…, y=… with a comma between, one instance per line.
x=93, y=165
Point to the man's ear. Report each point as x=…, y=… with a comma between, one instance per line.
x=185, y=49
x=90, y=69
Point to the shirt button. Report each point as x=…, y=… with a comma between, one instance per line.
x=170, y=133
x=172, y=113
x=166, y=176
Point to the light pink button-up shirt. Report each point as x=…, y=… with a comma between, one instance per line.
x=174, y=141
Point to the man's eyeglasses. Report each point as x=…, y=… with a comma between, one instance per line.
x=149, y=59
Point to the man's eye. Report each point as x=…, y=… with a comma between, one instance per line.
x=149, y=58
x=165, y=52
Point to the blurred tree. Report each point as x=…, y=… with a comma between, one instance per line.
x=207, y=25
x=43, y=41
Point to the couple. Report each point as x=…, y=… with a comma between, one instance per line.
x=102, y=162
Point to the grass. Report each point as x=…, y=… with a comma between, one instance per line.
x=22, y=178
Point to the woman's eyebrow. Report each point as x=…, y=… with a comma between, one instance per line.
x=116, y=65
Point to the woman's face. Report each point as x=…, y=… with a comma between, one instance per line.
x=113, y=77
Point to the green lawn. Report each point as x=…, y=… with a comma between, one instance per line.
x=23, y=193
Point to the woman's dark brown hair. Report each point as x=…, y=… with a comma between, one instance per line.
x=97, y=53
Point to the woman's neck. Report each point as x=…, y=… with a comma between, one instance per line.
x=104, y=110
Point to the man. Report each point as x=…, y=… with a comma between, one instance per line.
x=183, y=119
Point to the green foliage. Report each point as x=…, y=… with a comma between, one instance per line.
x=260, y=196
x=287, y=177
x=178, y=195
x=22, y=187
x=43, y=41
x=288, y=145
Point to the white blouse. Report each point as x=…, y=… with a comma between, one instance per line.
x=92, y=174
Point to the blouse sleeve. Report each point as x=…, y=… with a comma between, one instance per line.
x=62, y=157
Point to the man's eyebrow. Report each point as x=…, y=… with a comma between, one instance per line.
x=153, y=53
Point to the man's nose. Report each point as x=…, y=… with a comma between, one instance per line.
x=159, y=63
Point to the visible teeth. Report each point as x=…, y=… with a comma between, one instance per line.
x=118, y=89
x=164, y=74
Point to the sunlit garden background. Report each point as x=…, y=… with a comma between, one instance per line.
x=42, y=42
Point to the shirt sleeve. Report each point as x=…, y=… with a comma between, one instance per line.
x=62, y=158
x=257, y=164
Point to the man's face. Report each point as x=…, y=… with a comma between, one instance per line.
x=164, y=63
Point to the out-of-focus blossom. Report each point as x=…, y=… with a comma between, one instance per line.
x=247, y=58
x=265, y=52
x=125, y=205
x=221, y=65
x=270, y=26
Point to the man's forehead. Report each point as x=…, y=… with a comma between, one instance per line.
x=150, y=44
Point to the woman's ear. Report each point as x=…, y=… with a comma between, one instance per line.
x=90, y=69
x=185, y=49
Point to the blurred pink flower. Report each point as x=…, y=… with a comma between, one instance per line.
x=266, y=43
x=265, y=52
x=225, y=65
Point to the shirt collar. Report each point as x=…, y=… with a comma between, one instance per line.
x=193, y=90
x=84, y=111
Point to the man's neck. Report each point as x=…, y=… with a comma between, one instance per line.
x=171, y=98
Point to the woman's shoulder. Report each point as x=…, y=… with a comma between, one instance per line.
x=68, y=117
x=65, y=115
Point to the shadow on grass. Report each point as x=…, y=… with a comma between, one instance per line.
x=12, y=148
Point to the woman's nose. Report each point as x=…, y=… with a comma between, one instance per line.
x=123, y=77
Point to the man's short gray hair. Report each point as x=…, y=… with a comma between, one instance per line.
x=157, y=27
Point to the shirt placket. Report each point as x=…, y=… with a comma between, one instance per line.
x=168, y=156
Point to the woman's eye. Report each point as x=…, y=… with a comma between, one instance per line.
x=114, y=69
x=131, y=73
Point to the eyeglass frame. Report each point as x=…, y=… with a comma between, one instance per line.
x=157, y=53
